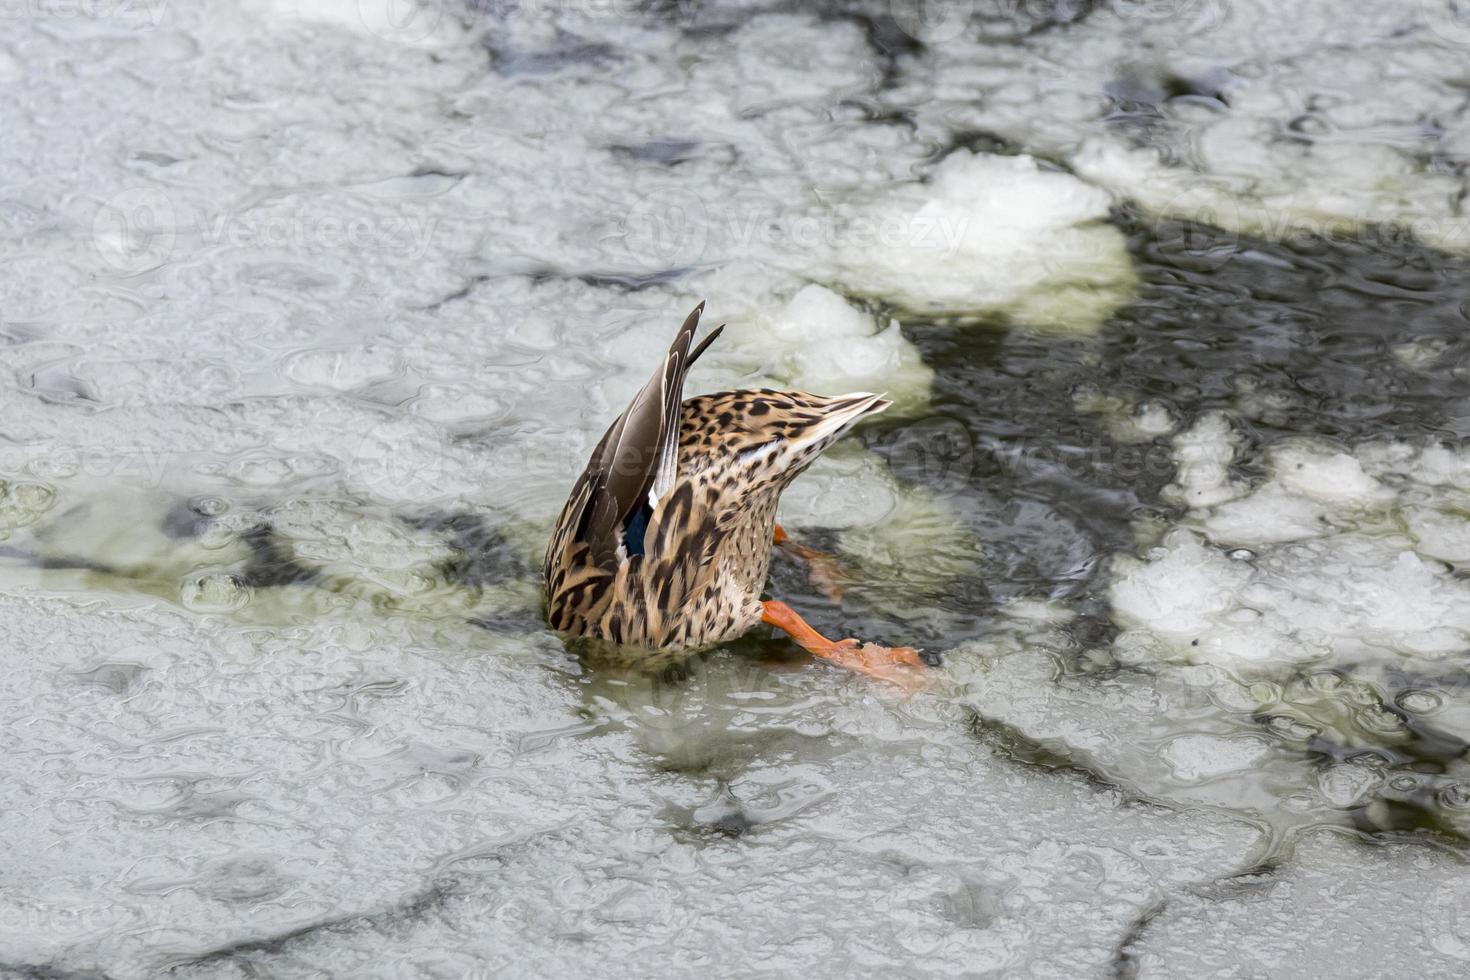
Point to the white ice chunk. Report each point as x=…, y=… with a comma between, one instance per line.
x=1270, y=515
x=1346, y=594
x=1439, y=534
x=1204, y=756
x=1278, y=133
x=989, y=235
x=835, y=345
x=415, y=23
x=1331, y=572
x=1179, y=592
x=1204, y=455
x=1327, y=476
x=1432, y=465
x=815, y=340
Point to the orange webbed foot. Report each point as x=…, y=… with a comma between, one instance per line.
x=897, y=665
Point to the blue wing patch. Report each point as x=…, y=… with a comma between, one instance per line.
x=636, y=528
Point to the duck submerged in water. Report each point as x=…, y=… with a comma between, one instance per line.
x=666, y=538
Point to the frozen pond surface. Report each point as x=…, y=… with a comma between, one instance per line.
x=312, y=310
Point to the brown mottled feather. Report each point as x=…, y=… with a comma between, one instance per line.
x=717, y=465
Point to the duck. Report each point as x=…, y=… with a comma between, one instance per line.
x=665, y=539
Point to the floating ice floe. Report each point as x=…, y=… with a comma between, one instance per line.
x=988, y=235
x=1304, y=605
x=1226, y=735
x=1351, y=191
x=362, y=789
x=274, y=558
x=415, y=23
x=1217, y=112
x=812, y=339
x=1334, y=556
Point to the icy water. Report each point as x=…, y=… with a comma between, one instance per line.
x=312, y=310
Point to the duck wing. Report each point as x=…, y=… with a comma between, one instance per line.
x=636, y=462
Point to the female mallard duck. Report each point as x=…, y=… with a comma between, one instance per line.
x=666, y=538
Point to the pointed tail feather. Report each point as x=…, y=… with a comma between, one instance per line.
x=637, y=460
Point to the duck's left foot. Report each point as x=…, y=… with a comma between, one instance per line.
x=902, y=665
x=823, y=570
x=898, y=665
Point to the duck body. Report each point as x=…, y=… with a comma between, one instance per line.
x=695, y=574
x=665, y=540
